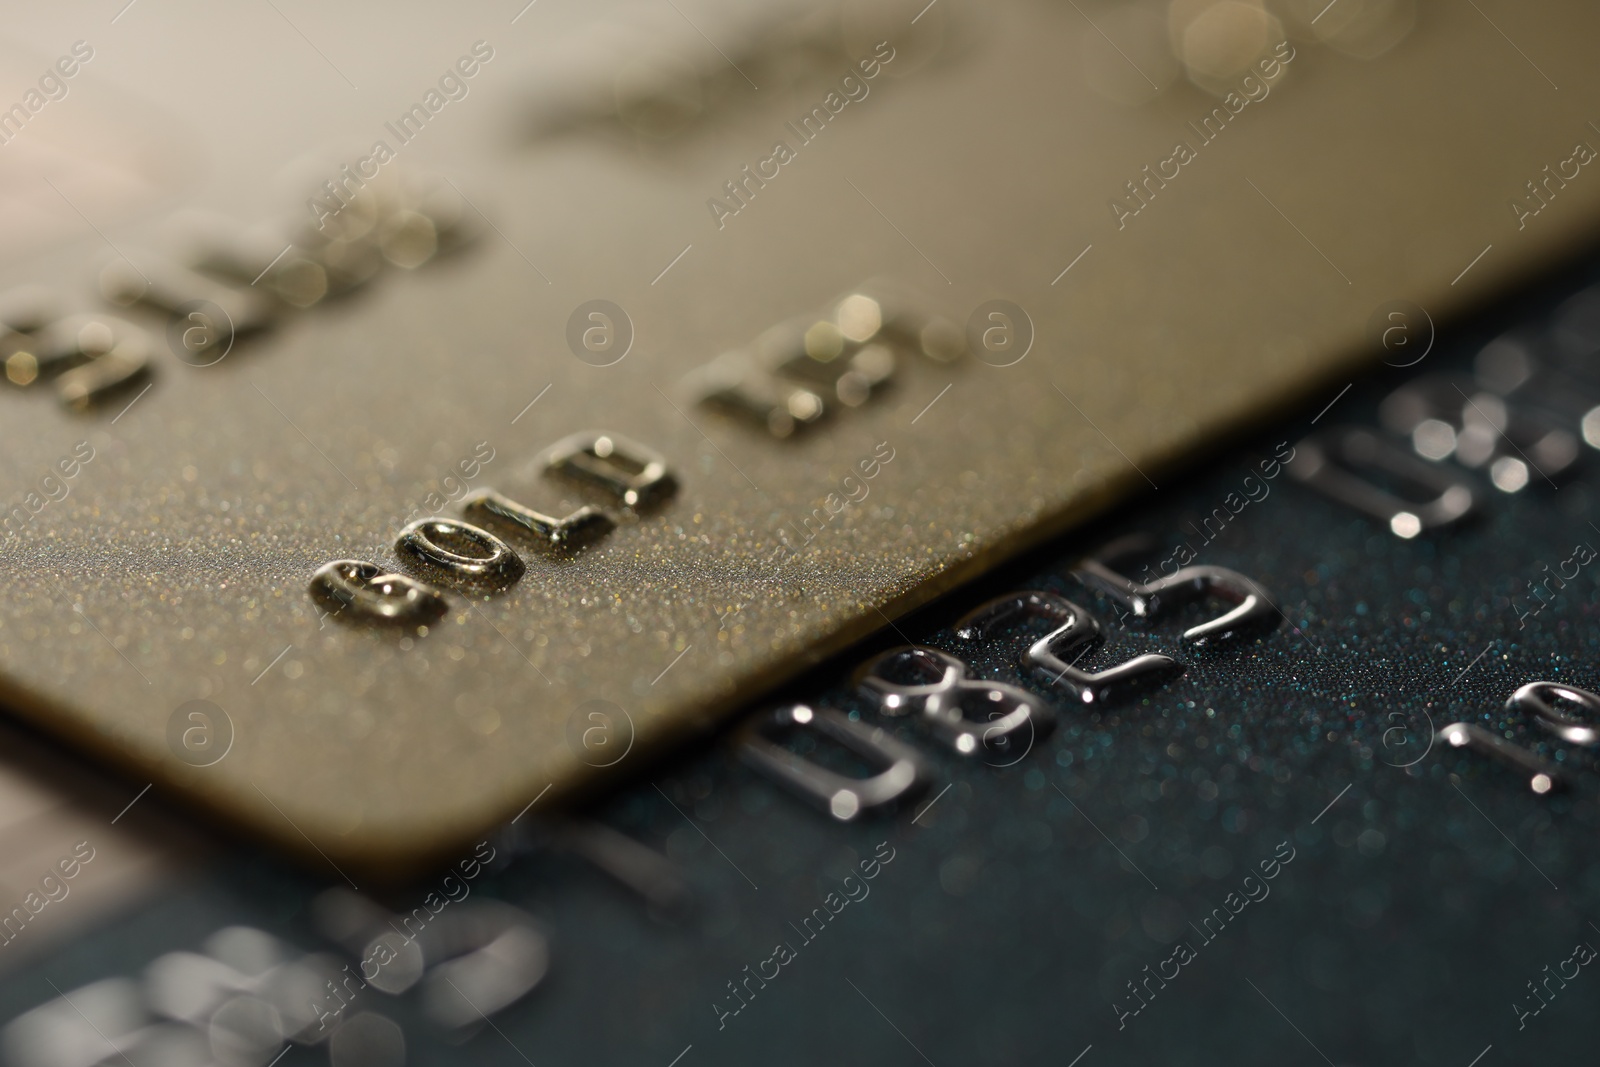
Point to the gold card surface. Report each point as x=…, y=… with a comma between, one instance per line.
x=817, y=314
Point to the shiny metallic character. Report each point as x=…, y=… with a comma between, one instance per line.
x=635, y=474
x=1328, y=463
x=971, y=716
x=369, y=592
x=901, y=772
x=1075, y=631
x=582, y=526
x=1252, y=608
x=1535, y=698
x=432, y=545
x=1543, y=777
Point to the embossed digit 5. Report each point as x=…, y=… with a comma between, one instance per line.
x=1252, y=608
x=1075, y=631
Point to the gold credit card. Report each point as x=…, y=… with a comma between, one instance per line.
x=450, y=444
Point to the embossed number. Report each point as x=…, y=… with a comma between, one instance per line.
x=900, y=771
x=1252, y=607
x=972, y=716
x=1075, y=631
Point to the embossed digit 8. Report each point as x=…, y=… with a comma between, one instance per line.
x=949, y=700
